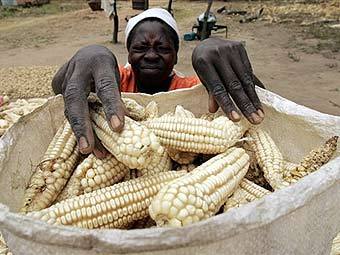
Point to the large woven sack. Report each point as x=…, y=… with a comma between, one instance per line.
x=300, y=219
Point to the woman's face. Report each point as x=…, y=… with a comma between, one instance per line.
x=152, y=54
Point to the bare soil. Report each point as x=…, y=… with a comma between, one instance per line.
x=301, y=63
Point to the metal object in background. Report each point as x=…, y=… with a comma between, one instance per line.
x=190, y=36
x=140, y=4
x=204, y=20
x=206, y=23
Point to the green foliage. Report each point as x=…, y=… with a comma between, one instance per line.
x=7, y=11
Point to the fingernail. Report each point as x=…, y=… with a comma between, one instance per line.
x=235, y=115
x=83, y=143
x=115, y=122
x=260, y=113
x=256, y=118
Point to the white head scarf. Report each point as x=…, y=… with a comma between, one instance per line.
x=158, y=13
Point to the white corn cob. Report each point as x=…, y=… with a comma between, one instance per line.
x=131, y=106
x=312, y=162
x=178, y=156
x=199, y=194
x=196, y=135
x=255, y=190
x=317, y=157
x=181, y=112
x=92, y=174
x=53, y=172
x=268, y=157
x=134, y=146
x=135, y=110
x=336, y=245
x=247, y=192
x=116, y=206
x=290, y=168
x=255, y=173
x=161, y=162
x=151, y=110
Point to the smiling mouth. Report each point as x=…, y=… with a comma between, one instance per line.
x=150, y=67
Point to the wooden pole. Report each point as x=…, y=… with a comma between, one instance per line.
x=115, y=23
x=205, y=21
x=170, y=7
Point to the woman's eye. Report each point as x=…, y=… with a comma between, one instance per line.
x=164, y=49
x=140, y=48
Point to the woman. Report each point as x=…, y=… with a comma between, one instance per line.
x=152, y=40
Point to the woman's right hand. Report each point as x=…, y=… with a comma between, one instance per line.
x=92, y=68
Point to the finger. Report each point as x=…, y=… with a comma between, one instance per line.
x=213, y=106
x=76, y=111
x=253, y=78
x=235, y=89
x=99, y=150
x=106, y=81
x=244, y=58
x=210, y=79
x=245, y=76
x=252, y=93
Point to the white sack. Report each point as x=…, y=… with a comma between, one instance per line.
x=301, y=219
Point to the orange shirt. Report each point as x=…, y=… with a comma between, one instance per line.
x=128, y=84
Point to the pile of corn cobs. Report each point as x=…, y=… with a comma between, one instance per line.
x=171, y=170
x=10, y=112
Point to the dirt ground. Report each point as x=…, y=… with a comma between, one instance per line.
x=301, y=63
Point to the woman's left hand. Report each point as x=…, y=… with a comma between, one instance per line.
x=224, y=69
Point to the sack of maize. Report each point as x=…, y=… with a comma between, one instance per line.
x=271, y=189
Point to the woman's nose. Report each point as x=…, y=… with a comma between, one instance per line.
x=151, y=54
